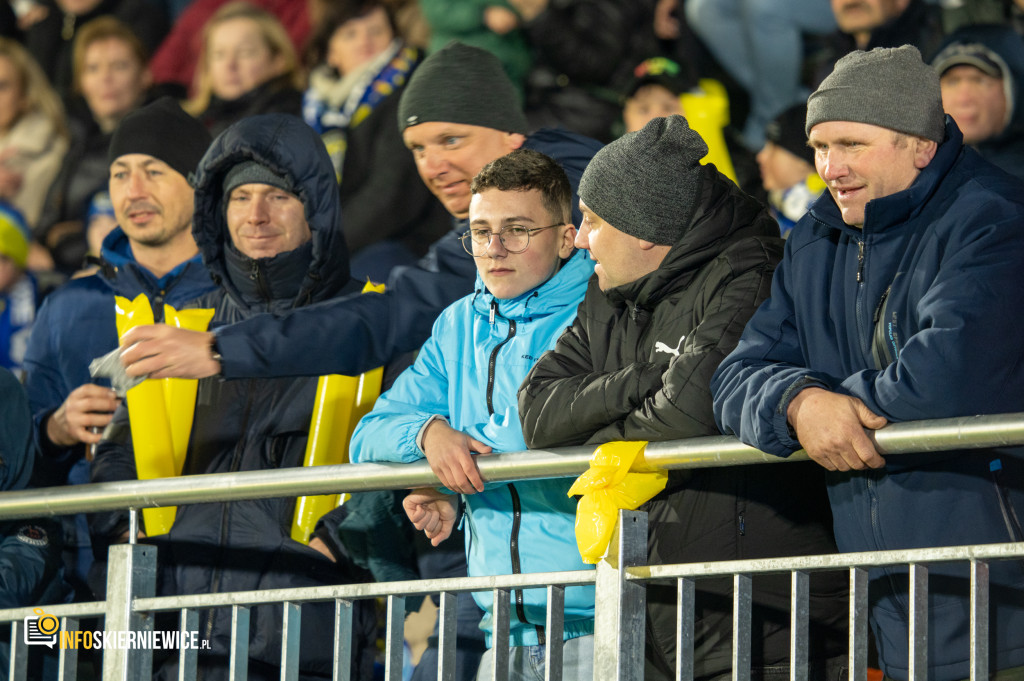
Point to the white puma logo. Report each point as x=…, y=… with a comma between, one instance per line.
x=661, y=347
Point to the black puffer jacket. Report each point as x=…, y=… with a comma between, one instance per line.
x=636, y=365
x=254, y=424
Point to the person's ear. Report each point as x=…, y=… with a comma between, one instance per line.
x=514, y=140
x=924, y=152
x=567, y=245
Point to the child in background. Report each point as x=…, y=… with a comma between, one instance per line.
x=19, y=293
x=787, y=168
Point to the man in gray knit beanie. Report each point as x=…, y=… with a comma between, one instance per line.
x=645, y=186
x=891, y=304
x=683, y=259
x=875, y=123
x=458, y=113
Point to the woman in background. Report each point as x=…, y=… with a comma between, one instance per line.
x=33, y=132
x=362, y=66
x=111, y=79
x=247, y=67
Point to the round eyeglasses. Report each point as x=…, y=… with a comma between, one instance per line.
x=513, y=238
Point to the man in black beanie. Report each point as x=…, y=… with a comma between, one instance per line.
x=153, y=152
x=683, y=258
x=898, y=301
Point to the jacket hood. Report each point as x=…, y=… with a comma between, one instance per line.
x=291, y=149
x=564, y=288
x=724, y=216
x=1008, y=46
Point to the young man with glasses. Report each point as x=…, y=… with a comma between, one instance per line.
x=459, y=400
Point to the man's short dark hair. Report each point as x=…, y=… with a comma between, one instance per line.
x=524, y=170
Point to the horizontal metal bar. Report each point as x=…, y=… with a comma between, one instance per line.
x=911, y=437
x=829, y=561
x=369, y=590
x=73, y=610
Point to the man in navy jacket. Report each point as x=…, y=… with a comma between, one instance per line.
x=153, y=150
x=898, y=299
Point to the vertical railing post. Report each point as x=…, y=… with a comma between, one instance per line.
x=131, y=574
x=620, y=604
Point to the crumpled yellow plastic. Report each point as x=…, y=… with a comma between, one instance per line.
x=618, y=477
x=340, y=402
x=160, y=411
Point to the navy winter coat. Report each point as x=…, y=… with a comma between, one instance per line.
x=917, y=315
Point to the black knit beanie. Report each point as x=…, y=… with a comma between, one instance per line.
x=465, y=85
x=161, y=130
x=787, y=131
x=647, y=183
x=888, y=87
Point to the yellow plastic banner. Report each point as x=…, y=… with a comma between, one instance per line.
x=160, y=411
x=707, y=111
x=340, y=402
x=617, y=478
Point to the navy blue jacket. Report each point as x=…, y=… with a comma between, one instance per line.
x=76, y=324
x=938, y=266
x=360, y=333
x=253, y=424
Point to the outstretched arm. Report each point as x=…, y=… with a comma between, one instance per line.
x=162, y=351
x=347, y=335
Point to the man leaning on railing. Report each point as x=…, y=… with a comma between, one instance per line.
x=898, y=299
x=682, y=264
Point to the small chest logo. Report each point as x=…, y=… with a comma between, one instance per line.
x=662, y=347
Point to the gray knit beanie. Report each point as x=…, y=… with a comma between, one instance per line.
x=889, y=87
x=465, y=85
x=253, y=172
x=647, y=183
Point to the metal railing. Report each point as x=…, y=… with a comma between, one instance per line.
x=620, y=577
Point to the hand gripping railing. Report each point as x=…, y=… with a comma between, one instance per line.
x=620, y=577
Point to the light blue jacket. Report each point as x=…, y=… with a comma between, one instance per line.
x=469, y=371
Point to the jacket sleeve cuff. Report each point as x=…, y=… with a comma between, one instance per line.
x=783, y=430
x=423, y=429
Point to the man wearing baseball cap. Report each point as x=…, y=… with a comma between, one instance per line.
x=892, y=304
x=981, y=71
